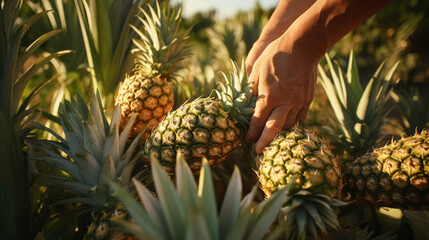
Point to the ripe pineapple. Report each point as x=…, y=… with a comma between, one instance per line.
x=301, y=158
x=298, y=156
x=205, y=127
x=395, y=175
x=160, y=50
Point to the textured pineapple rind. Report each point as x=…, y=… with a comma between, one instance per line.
x=299, y=156
x=151, y=98
x=197, y=129
x=395, y=175
x=102, y=226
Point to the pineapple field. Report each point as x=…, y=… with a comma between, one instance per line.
x=124, y=119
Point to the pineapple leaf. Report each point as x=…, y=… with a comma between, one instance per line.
x=23, y=80
x=88, y=165
x=207, y=194
x=65, y=165
x=240, y=227
x=169, y=199
x=111, y=143
x=231, y=204
x=98, y=116
x=301, y=220
x=35, y=45
x=353, y=78
x=196, y=226
x=144, y=221
x=25, y=103
x=152, y=206
x=315, y=216
x=108, y=170
x=123, y=137
x=185, y=183
x=104, y=34
x=267, y=212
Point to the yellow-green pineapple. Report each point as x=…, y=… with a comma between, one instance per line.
x=395, y=175
x=298, y=156
x=206, y=127
x=159, y=51
x=301, y=158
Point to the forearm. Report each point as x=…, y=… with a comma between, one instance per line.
x=326, y=22
x=283, y=16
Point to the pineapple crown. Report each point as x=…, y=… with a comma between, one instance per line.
x=161, y=46
x=359, y=112
x=93, y=150
x=305, y=213
x=236, y=96
x=189, y=211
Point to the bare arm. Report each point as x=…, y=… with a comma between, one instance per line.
x=286, y=71
x=283, y=16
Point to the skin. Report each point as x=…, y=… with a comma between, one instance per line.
x=283, y=61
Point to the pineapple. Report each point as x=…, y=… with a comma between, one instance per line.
x=206, y=127
x=92, y=152
x=395, y=175
x=158, y=55
x=102, y=227
x=356, y=127
x=299, y=157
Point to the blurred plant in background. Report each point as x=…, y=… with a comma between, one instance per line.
x=18, y=64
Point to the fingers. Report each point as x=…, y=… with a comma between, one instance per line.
x=259, y=118
x=273, y=126
x=291, y=118
x=303, y=113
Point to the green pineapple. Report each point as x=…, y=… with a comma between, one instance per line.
x=206, y=127
x=300, y=157
x=395, y=175
x=159, y=52
x=185, y=210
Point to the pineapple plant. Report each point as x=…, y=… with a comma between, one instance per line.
x=226, y=42
x=92, y=152
x=395, y=175
x=18, y=65
x=189, y=211
x=160, y=49
x=206, y=127
x=414, y=109
x=300, y=157
x=359, y=113
x=356, y=128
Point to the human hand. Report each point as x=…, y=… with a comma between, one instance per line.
x=284, y=80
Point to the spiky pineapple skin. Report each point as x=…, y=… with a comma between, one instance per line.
x=395, y=175
x=102, y=227
x=197, y=129
x=151, y=98
x=298, y=156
